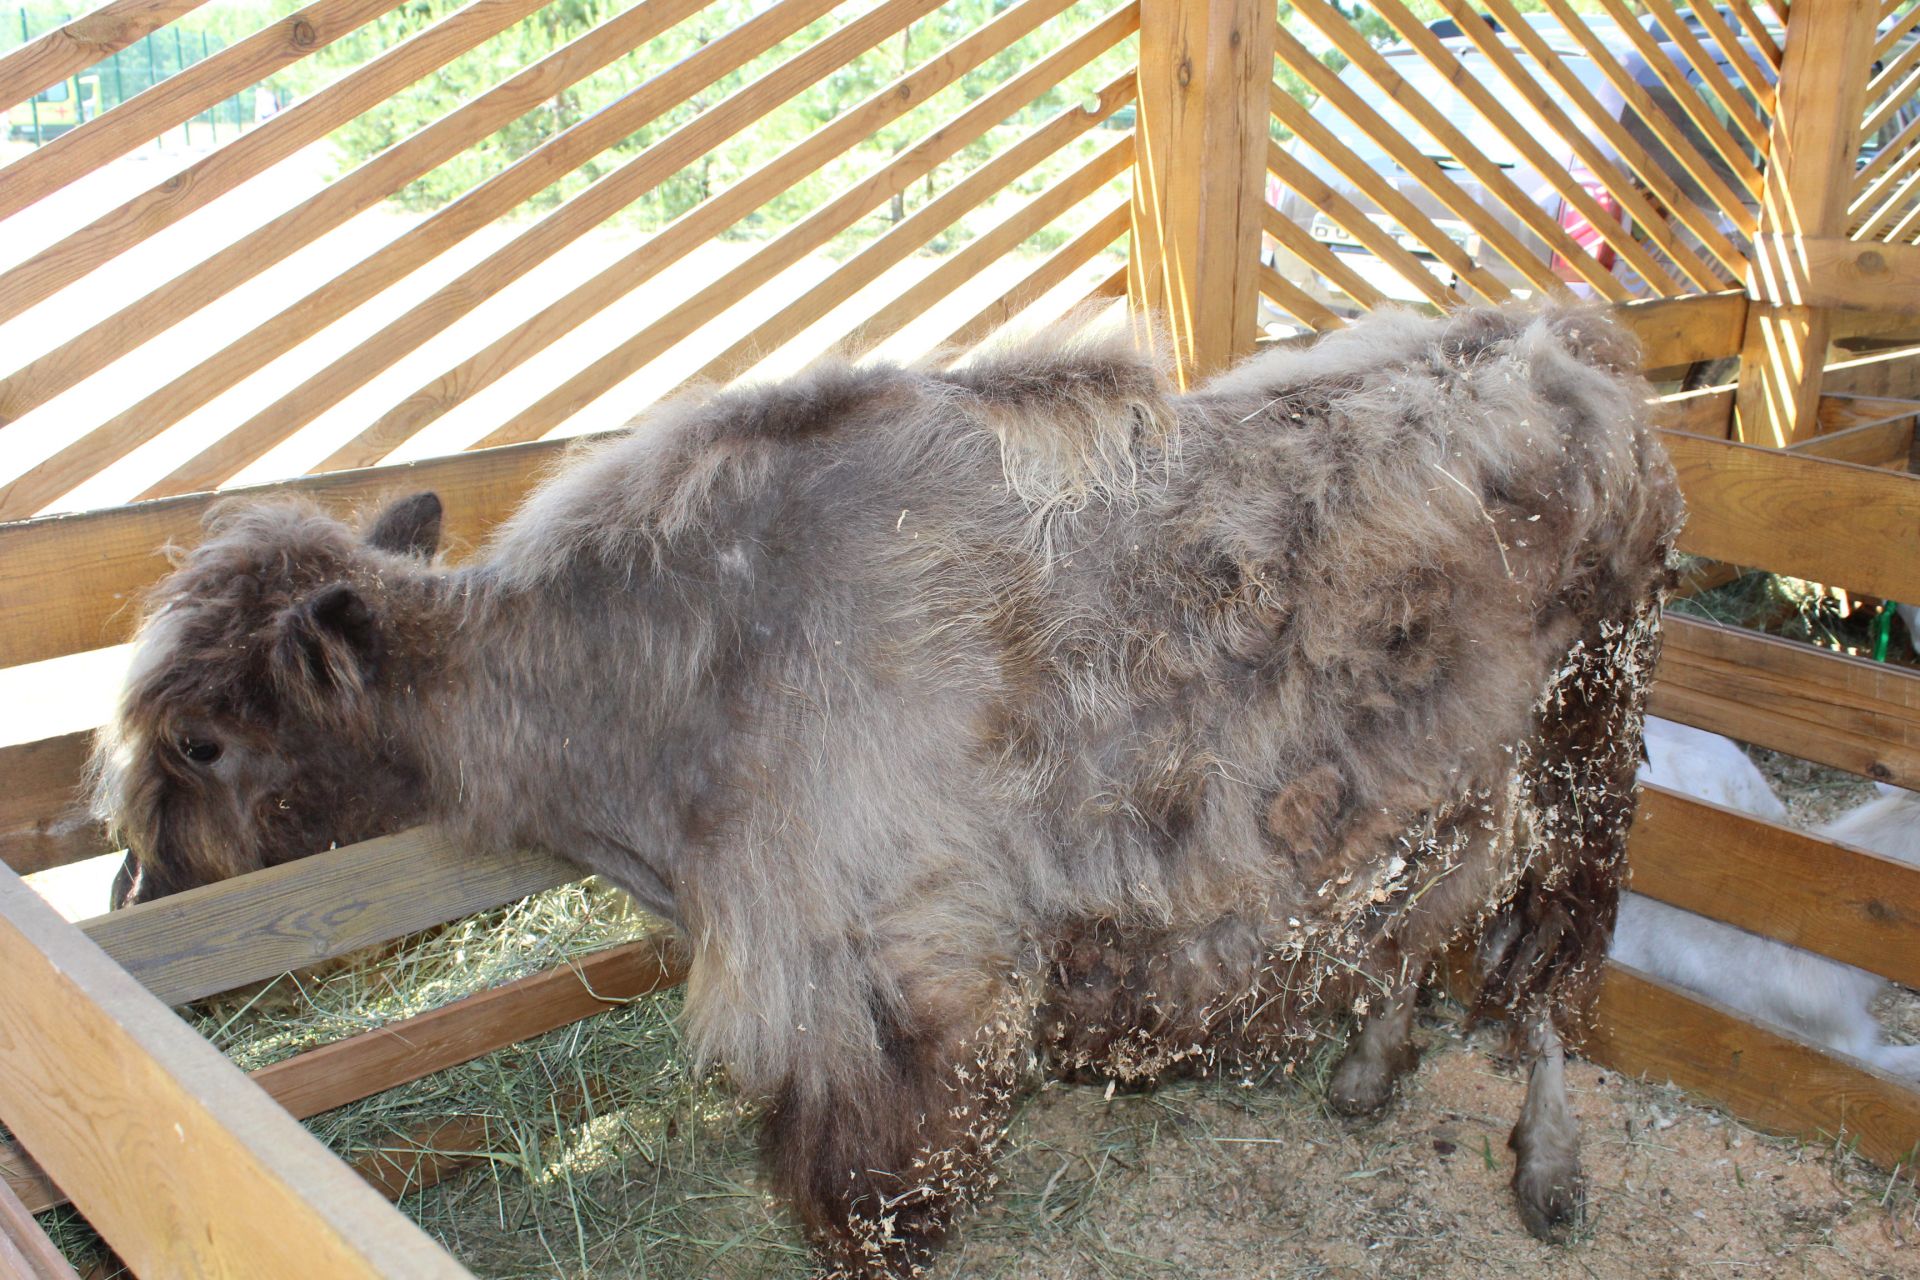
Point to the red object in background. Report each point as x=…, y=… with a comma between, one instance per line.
x=1584, y=233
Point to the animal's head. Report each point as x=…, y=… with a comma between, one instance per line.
x=251, y=730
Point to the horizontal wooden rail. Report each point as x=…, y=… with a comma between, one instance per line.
x=43, y=817
x=360, y=1066
x=181, y=96
x=1851, y=905
x=1833, y=271
x=1826, y=707
x=1768, y=1077
x=72, y=47
x=205, y=180
x=1815, y=518
x=150, y=1129
x=1676, y=332
x=255, y=926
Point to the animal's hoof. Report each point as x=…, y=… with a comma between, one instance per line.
x=1361, y=1086
x=1552, y=1198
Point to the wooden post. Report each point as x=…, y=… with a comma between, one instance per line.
x=1200, y=175
x=1823, y=79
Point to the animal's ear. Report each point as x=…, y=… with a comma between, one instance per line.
x=409, y=526
x=326, y=644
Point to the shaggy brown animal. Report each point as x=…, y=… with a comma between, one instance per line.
x=1025, y=716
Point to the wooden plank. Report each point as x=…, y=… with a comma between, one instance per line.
x=1705, y=120
x=200, y=183
x=181, y=96
x=1886, y=103
x=1676, y=332
x=1374, y=186
x=1830, y=708
x=1879, y=210
x=185, y=1166
x=233, y=932
x=26, y=1181
x=912, y=233
x=1494, y=180
x=1768, y=1077
x=1896, y=32
x=1199, y=180
x=412, y=1048
x=74, y=582
x=1756, y=31
x=722, y=210
x=1702, y=222
x=1647, y=220
x=72, y=47
x=1897, y=152
x=452, y=302
x=1841, y=411
x=1295, y=239
x=25, y=1251
x=1850, y=904
x=1706, y=412
x=1297, y=302
x=43, y=817
x=1831, y=522
x=1892, y=372
x=1887, y=444
x=1833, y=271
x=227, y=269
x=1810, y=148
x=609, y=370
x=1749, y=64
x=1058, y=267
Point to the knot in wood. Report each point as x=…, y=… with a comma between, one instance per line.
x=303, y=36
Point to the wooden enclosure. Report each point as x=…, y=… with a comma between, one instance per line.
x=1741, y=184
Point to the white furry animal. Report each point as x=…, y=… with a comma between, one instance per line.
x=1824, y=1000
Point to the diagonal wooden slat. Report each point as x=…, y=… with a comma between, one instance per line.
x=203, y=181
x=1646, y=219
x=1364, y=231
x=1712, y=79
x=1891, y=72
x=1339, y=30
x=1888, y=101
x=1605, y=224
x=1893, y=200
x=1902, y=28
x=181, y=96
x=1702, y=222
x=1755, y=30
x=1380, y=189
x=252, y=253
x=1729, y=203
x=221, y=460
x=614, y=367
x=1058, y=268
x=1296, y=240
x=1746, y=59
x=506, y=353
x=74, y=46
x=1296, y=301
x=1897, y=151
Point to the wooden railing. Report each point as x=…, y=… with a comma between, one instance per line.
x=1675, y=212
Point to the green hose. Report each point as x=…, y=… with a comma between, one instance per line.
x=1883, y=630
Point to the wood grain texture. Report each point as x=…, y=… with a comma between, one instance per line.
x=185, y=1166
x=1852, y=905
x=1827, y=521
x=1826, y=707
x=1298, y=241
x=1887, y=443
x=43, y=817
x=1768, y=1077
x=200, y=183
x=1055, y=270
x=1693, y=104
x=182, y=95
x=1199, y=181
x=73, y=583
x=74, y=46
x=1833, y=271
x=25, y=1251
x=1676, y=332
x=375, y=1061
x=223, y=935
x=1706, y=412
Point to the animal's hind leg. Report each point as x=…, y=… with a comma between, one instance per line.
x=1381, y=1052
x=1547, y=1185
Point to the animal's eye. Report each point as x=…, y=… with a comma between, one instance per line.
x=198, y=751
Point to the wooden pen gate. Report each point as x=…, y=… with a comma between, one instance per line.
x=1740, y=181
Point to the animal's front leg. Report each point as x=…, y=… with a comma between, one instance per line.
x=1382, y=1051
x=1546, y=1142
x=882, y=1159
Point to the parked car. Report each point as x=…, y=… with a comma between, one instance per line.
x=1446, y=98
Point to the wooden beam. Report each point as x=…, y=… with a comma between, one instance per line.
x=1833, y=271
x=25, y=1251
x=1200, y=176
x=1852, y=905
x=375, y=1061
x=1827, y=521
x=1706, y=412
x=185, y=1165
x=1810, y=148
x=1887, y=444
x=1826, y=707
x=1676, y=332
x=236, y=931
x=72, y=47
x=1768, y=1077
x=43, y=818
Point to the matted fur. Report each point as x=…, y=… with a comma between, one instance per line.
x=963, y=720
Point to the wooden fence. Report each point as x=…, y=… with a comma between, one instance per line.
x=1740, y=182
